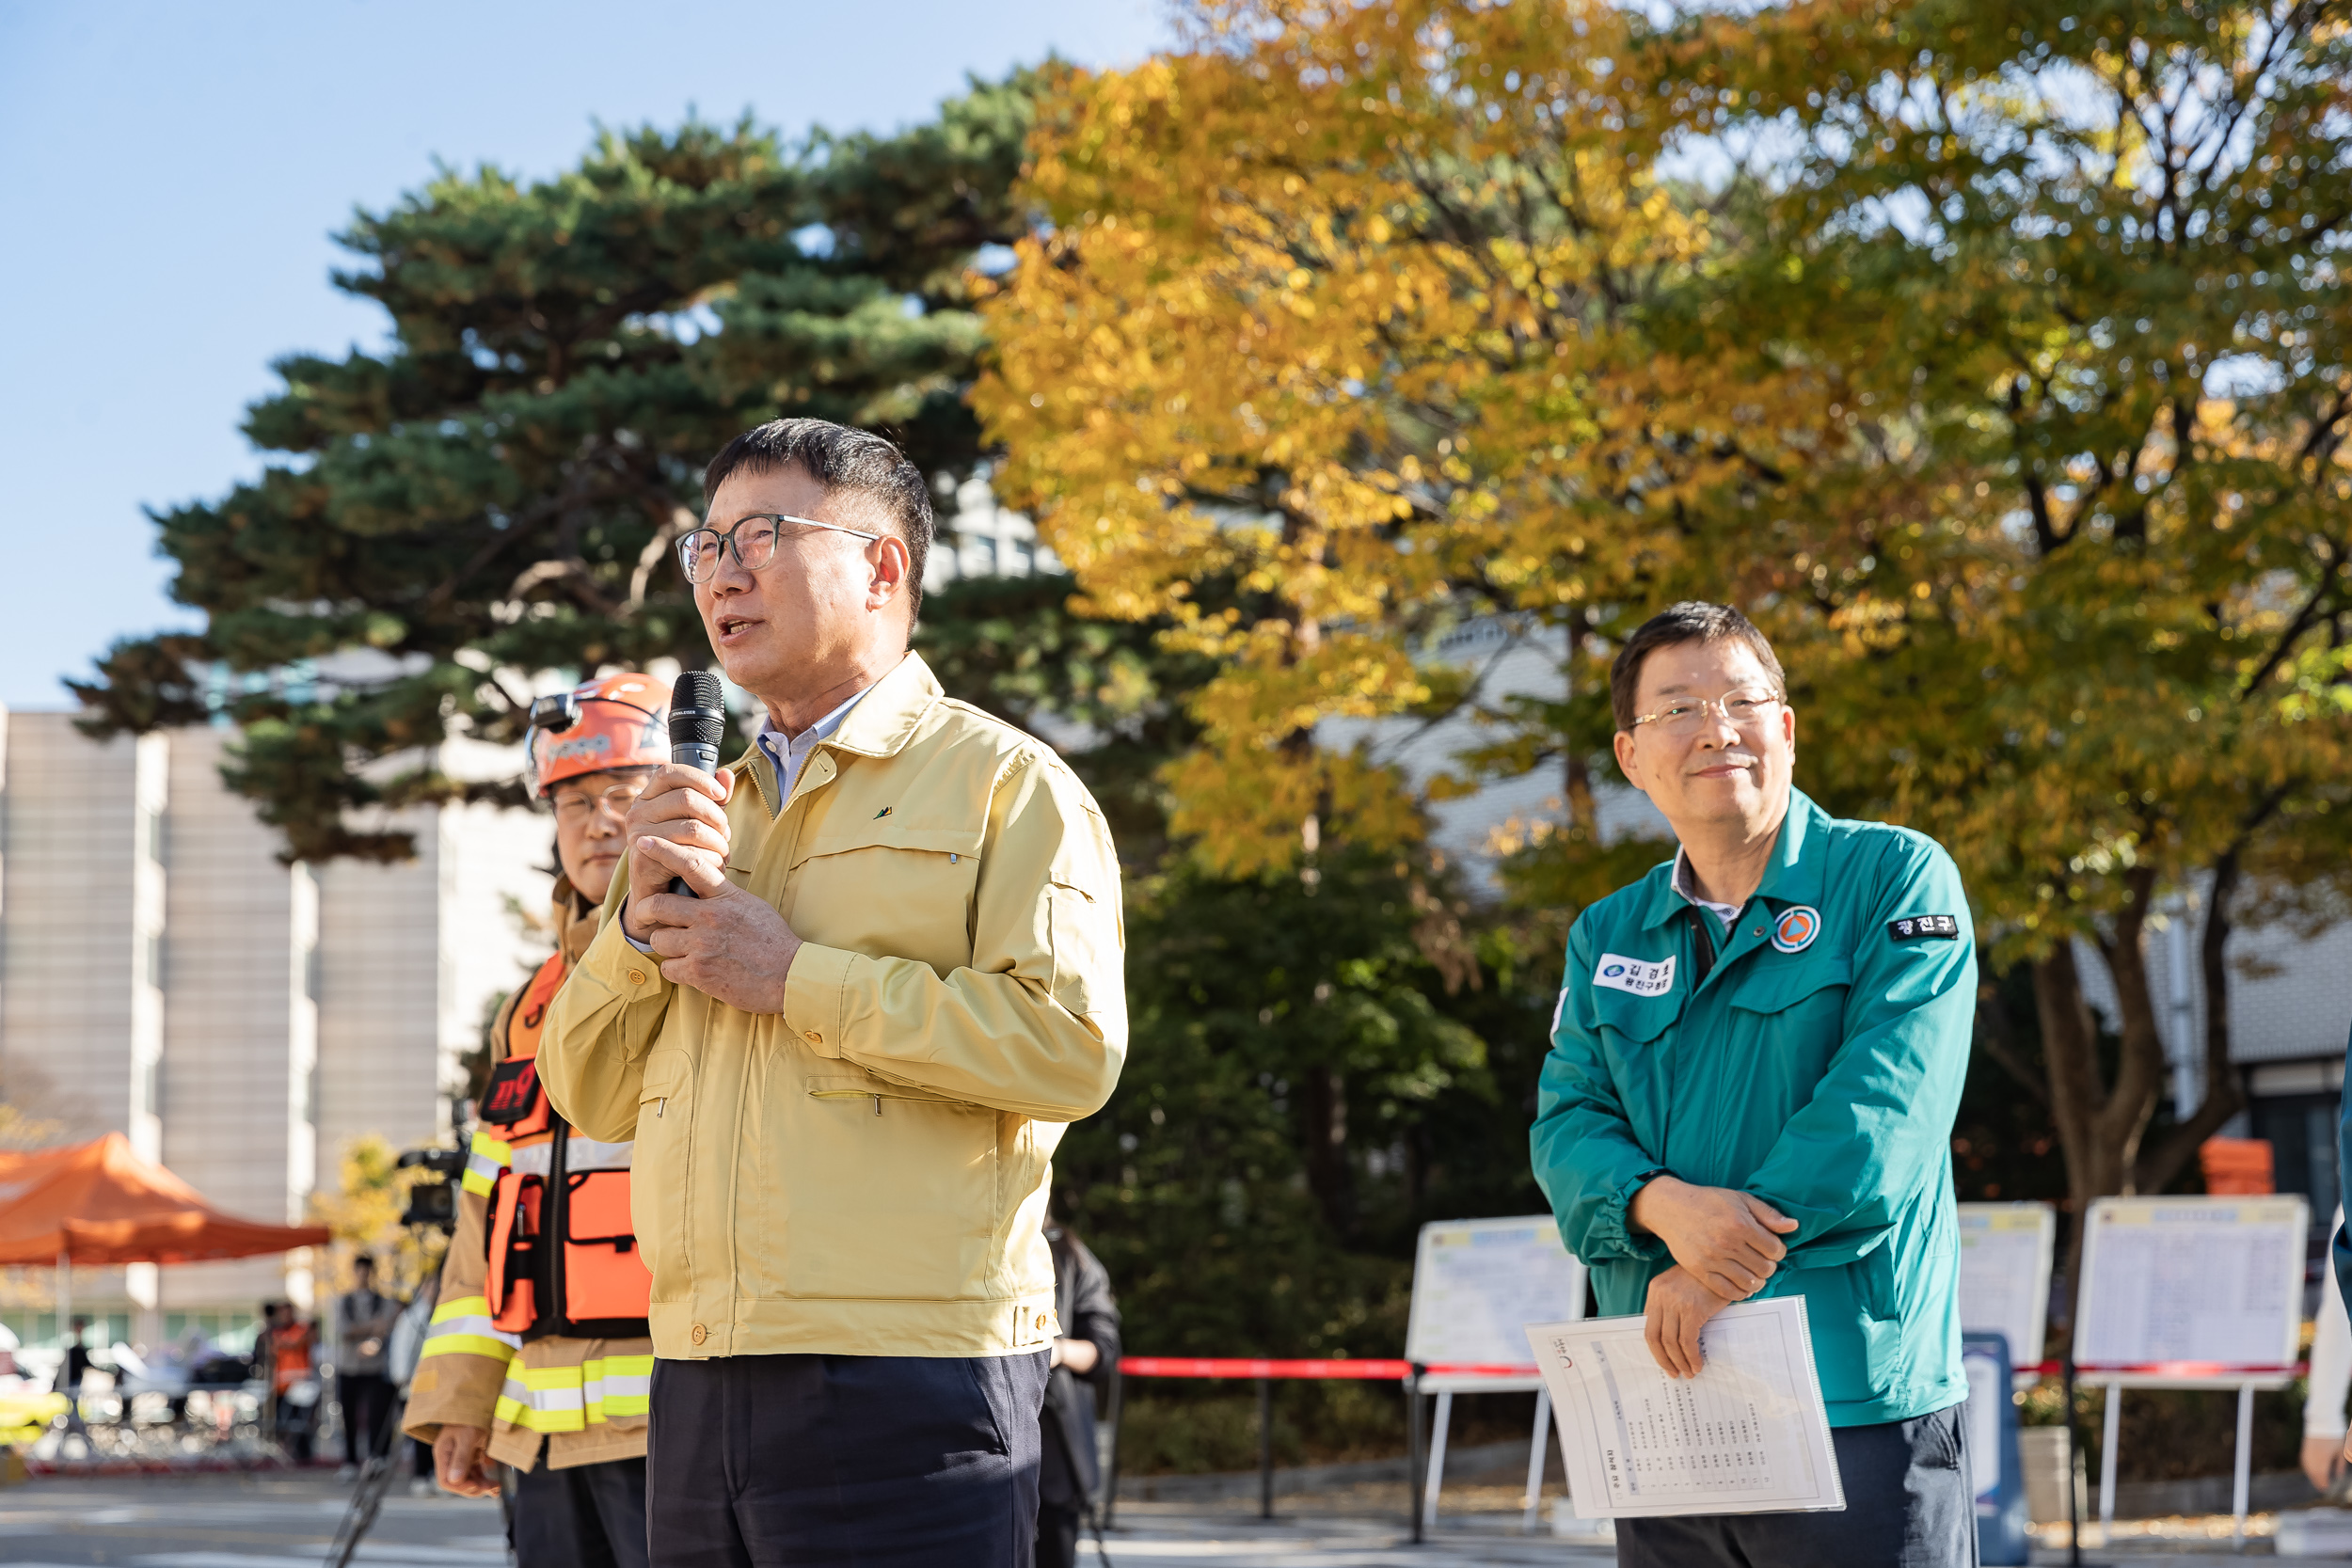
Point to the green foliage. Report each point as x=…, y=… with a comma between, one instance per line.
x=1303, y=1090
x=499, y=487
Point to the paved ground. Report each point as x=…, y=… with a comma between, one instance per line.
x=282, y=1520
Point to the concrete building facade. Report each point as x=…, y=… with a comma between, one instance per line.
x=164, y=974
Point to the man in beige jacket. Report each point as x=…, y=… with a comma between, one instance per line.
x=847, y=1059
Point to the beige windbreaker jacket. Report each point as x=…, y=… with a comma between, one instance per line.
x=866, y=1174
x=586, y=1398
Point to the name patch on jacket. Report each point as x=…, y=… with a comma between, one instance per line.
x=1922, y=927
x=1637, y=975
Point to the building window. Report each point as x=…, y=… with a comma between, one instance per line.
x=310, y=972
x=151, y=835
x=149, y=1087
x=151, y=959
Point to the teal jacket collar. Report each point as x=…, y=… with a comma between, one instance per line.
x=1791, y=878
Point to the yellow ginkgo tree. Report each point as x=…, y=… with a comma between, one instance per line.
x=1332, y=339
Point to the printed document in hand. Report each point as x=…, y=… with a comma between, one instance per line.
x=1749, y=1434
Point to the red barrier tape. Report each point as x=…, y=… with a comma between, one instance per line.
x=1395, y=1371
x=2085, y=1370
x=1184, y=1365
x=1368, y=1370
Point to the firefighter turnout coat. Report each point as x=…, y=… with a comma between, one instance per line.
x=583, y=1393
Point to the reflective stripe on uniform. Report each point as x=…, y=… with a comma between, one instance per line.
x=488, y=1158
x=579, y=1155
x=542, y=1399
x=587, y=1154
x=462, y=1326
x=618, y=1385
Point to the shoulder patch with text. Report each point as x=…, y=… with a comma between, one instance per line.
x=1925, y=928
x=1640, y=976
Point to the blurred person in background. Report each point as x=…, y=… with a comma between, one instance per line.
x=1085, y=1359
x=75, y=1369
x=1756, y=1058
x=292, y=1349
x=536, y=1356
x=847, y=1060
x=363, y=1327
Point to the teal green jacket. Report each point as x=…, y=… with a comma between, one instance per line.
x=1817, y=1066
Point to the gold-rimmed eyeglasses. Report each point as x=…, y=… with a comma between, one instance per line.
x=1682, y=717
x=753, y=539
x=578, y=805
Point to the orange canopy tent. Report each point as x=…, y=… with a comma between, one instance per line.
x=98, y=1203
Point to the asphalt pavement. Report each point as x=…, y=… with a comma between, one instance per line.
x=283, y=1520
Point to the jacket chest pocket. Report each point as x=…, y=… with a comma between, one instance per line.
x=902, y=894
x=1800, y=1006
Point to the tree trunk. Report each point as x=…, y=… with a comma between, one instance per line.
x=2224, y=1097
x=1323, y=1128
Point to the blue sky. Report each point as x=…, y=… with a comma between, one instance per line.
x=171, y=173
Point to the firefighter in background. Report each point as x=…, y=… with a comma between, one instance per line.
x=537, y=1356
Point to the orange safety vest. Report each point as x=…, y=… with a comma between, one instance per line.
x=562, y=1256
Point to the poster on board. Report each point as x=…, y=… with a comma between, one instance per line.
x=2203, y=1287
x=1477, y=1284
x=2005, y=1256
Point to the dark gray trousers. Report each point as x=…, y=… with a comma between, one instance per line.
x=587, y=1516
x=1910, y=1503
x=811, y=1461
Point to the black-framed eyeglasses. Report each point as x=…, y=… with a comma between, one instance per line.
x=753, y=539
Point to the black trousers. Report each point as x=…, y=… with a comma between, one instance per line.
x=366, y=1398
x=1909, y=1504
x=809, y=1461
x=1057, y=1525
x=588, y=1516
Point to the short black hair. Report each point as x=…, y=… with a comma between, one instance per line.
x=1692, y=620
x=363, y=1261
x=846, y=461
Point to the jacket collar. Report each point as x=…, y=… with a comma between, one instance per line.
x=575, y=921
x=1791, y=877
x=882, y=722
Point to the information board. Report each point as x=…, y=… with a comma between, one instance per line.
x=2005, y=1255
x=2213, y=1285
x=1477, y=1284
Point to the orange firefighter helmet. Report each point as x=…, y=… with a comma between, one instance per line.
x=614, y=721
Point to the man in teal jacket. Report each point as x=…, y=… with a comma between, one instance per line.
x=1755, y=1060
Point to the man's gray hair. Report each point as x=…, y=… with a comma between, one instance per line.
x=847, y=462
x=1692, y=620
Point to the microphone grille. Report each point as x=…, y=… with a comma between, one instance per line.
x=697, y=709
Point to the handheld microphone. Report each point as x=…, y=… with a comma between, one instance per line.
x=699, y=718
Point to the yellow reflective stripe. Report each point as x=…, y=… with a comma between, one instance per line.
x=618, y=1385
x=462, y=1326
x=488, y=1158
x=502, y=1348
x=542, y=1399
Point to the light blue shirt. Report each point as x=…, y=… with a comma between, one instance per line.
x=790, y=753
x=787, y=755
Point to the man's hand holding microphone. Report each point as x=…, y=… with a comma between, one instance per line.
x=708, y=933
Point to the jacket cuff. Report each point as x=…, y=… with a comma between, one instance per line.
x=817, y=997
x=616, y=964
x=1613, y=1234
